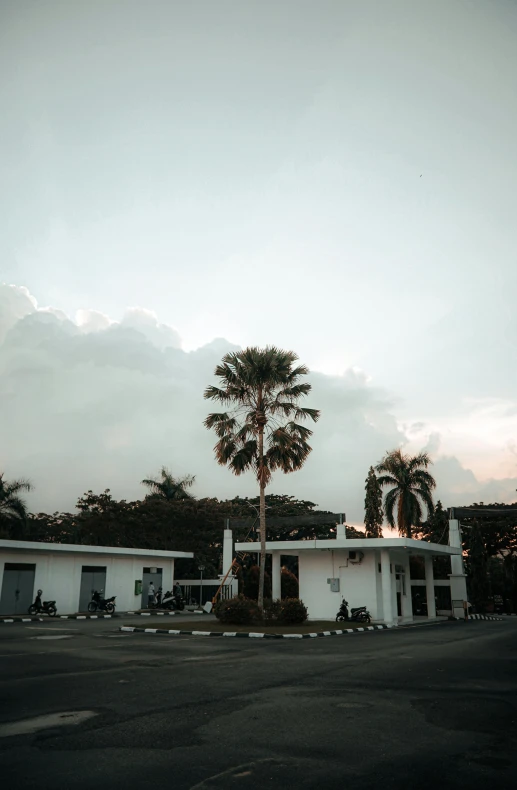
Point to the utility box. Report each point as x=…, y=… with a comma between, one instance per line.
x=138, y=587
x=334, y=585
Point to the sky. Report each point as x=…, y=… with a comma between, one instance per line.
x=180, y=179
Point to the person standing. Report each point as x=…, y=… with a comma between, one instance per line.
x=150, y=595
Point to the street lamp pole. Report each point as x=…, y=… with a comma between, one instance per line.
x=201, y=569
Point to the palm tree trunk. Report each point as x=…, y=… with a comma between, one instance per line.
x=262, y=522
x=401, y=516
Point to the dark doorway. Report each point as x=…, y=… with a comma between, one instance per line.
x=17, y=588
x=149, y=575
x=93, y=577
x=419, y=599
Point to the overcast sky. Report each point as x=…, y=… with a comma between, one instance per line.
x=334, y=177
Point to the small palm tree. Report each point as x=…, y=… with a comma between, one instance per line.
x=169, y=487
x=411, y=486
x=262, y=430
x=13, y=510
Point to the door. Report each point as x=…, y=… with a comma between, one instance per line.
x=93, y=577
x=17, y=588
x=149, y=575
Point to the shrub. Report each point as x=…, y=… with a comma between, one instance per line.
x=292, y=610
x=239, y=611
x=271, y=610
x=289, y=583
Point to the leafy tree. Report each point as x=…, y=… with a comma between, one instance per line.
x=436, y=528
x=261, y=430
x=13, y=510
x=373, y=512
x=411, y=484
x=169, y=487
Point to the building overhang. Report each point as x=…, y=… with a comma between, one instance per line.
x=409, y=545
x=76, y=548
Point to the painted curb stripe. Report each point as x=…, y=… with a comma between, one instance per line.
x=250, y=634
x=58, y=617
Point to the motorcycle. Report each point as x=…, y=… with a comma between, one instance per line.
x=359, y=613
x=43, y=607
x=173, y=601
x=101, y=604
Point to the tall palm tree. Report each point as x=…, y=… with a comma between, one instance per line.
x=411, y=485
x=261, y=430
x=169, y=487
x=13, y=510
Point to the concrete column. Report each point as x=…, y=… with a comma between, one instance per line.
x=227, y=550
x=407, y=602
x=455, y=540
x=429, y=585
x=387, y=602
x=458, y=580
x=340, y=532
x=276, y=581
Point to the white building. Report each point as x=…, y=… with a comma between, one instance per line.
x=67, y=573
x=367, y=572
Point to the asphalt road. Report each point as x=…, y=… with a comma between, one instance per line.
x=429, y=707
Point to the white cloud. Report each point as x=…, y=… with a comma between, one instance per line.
x=95, y=403
x=15, y=303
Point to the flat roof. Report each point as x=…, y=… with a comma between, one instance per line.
x=409, y=544
x=78, y=548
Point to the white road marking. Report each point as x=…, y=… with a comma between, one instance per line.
x=27, y=726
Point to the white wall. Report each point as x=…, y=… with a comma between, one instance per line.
x=59, y=575
x=358, y=583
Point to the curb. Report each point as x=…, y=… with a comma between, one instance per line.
x=252, y=635
x=58, y=617
x=484, y=617
x=165, y=614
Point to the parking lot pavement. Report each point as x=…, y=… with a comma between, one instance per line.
x=398, y=709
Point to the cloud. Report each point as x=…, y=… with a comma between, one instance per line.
x=15, y=303
x=96, y=403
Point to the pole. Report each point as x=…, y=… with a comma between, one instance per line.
x=201, y=569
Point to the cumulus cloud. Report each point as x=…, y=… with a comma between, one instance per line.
x=15, y=303
x=96, y=403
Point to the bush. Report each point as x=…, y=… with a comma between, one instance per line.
x=239, y=611
x=271, y=610
x=289, y=583
x=292, y=610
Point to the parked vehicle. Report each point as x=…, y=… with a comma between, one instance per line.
x=101, y=604
x=43, y=607
x=359, y=614
x=172, y=601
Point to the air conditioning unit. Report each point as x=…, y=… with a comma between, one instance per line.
x=355, y=557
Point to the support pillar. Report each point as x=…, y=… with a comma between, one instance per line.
x=429, y=585
x=387, y=595
x=458, y=579
x=407, y=602
x=276, y=581
x=227, y=551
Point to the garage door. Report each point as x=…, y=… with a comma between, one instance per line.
x=17, y=588
x=93, y=577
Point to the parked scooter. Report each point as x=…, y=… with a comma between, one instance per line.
x=43, y=607
x=359, y=613
x=173, y=601
x=101, y=604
